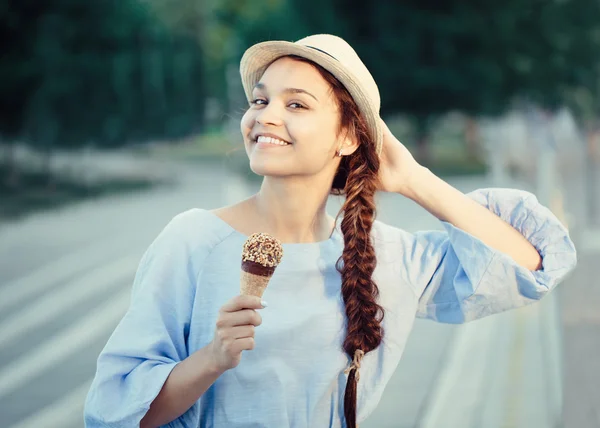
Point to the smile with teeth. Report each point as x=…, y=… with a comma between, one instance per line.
x=270, y=140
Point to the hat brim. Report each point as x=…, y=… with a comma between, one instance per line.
x=257, y=58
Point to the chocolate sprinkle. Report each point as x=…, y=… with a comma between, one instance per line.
x=263, y=249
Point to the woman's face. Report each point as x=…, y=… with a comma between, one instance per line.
x=293, y=103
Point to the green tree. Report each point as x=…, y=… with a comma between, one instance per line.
x=430, y=57
x=101, y=72
x=475, y=56
x=223, y=28
x=98, y=71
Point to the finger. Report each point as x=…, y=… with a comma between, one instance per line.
x=245, y=344
x=242, y=302
x=243, y=317
x=241, y=331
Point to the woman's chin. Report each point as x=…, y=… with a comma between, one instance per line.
x=268, y=169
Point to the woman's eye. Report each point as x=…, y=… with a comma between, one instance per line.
x=260, y=102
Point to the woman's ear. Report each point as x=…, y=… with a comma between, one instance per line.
x=349, y=146
x=349, y=143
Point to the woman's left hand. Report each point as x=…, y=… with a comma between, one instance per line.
x=397, y=167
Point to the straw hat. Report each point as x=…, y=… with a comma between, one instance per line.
x=332, y=53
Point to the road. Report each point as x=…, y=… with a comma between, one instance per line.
x=65, y=277
x=580, y=301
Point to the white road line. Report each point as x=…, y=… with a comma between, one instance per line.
x=56, y=302
x=65, y=412
x=59, y=270
x=456, y=395
x=83, y=332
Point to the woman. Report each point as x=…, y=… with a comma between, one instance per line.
x=190, y=352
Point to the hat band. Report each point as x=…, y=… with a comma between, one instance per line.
x=322, y=51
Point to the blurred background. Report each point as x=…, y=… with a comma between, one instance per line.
x=115, y=115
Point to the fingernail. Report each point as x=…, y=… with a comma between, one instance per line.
x=263, y=303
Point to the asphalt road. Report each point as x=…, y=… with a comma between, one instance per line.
x=65, y=277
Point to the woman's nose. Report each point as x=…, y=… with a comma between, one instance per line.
x=269, y=115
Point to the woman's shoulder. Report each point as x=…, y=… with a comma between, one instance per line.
x=195, y=229
x=386, y=234
x=388, y=238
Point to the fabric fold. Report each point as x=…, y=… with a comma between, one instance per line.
x=472, y=280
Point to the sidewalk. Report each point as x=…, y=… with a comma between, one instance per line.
x=580, y=299
x=93, y=166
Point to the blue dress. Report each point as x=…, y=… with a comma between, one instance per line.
x=295, y=375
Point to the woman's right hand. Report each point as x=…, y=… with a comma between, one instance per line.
x=234, y=331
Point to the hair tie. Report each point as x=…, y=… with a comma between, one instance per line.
x=355, y=365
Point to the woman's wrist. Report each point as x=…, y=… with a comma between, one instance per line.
x=207, y=355
x=187, y=382
x=415, y=182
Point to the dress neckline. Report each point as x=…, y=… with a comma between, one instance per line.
x=335, y=234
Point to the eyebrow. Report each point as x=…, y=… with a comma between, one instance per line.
x=262, y=86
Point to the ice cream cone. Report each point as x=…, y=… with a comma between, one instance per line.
x=260, y=256
x=253, y=285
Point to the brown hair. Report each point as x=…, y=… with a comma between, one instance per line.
x=357, y=178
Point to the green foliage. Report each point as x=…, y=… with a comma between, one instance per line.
x=476, y=56
x=115, y=71
x=100, y=71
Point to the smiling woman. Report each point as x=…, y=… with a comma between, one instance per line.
x=293, y=103
x=192, y=352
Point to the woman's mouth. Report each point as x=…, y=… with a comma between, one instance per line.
x=265, y=142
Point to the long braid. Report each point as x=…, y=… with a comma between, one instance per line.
x=364, y=331
x=357, y=178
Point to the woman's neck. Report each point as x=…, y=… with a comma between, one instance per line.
x=292, y=212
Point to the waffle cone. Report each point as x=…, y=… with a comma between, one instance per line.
x=253, y=285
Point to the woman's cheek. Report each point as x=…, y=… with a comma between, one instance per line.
x=247, y=122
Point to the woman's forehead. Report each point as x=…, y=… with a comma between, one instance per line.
x=287, y=73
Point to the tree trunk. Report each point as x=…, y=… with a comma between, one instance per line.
x=472, y=138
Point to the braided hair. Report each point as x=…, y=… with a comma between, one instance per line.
x=357, y=178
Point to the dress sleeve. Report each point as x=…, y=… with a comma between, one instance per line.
x=150, y=339
x=459, y=278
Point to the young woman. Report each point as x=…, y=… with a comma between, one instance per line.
x=191, y=352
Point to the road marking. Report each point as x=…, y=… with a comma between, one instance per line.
x=56, y=302
x=551, y=322
x=514, y=387
x=65, y=412
x=456, y=395
x=83, y=332
x=59, y=270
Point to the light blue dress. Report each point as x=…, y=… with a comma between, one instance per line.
x=295, y=375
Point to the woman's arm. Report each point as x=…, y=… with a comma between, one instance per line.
x=184, y=386
x=189, y=379
x=450, y=205
x=401, y=173
x=150, y=341
x=458, y=277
